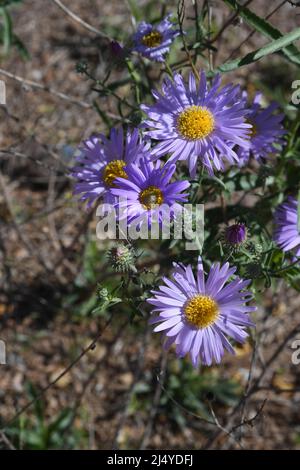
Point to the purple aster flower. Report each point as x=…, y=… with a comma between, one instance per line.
x=235, y=234
x=102, y=160
x=198, y=315
x=154, y=42
x=147, y=194
x=266, y=132
x=286, y=233
x=194, y=122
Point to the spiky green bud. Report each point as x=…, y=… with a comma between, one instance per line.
x=122, y=258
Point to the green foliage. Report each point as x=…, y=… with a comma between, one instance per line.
x=273, y=46
x=266, y=186
x=81, y=304
x=38, y=432
x=187, y=393
x=123, y=281
x=264, y=27
x=249, y=195
x=195, y=392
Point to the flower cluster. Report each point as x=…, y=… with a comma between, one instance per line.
x=204, y=125
x=102, y=160
x=188, y=122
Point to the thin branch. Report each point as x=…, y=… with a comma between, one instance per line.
x=250, y=421
x=209, y=23
x=6, y=441
x=155, y=403
x=180, y=15
x=249, y=381
x=92, y=375
x=254, y=30
x=274, y=356
x=90, y=347
x=30, y=249
x=183, y=408
x=222, y=429
x=137, y=375
x=228, y=22
x=37, y=161
x=253, y=389
x=47, y=89
x=80, y=21
x=56, y=93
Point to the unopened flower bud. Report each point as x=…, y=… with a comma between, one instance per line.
x=121, y=258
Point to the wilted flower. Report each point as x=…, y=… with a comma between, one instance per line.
x=197, y=315
x=117, y=52
x=116, y=49
x=197, y=123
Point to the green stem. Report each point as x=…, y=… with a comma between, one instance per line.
x=286, y=268
x=168, y=70
x=135, y=78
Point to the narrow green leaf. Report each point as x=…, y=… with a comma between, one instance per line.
x=135, y=9
x=217, y=180
x=299, y=211
x=7, y=30
x=270, y=48
x=5, y=3
x=265, y=28
x=23, y=51
x=102, y=114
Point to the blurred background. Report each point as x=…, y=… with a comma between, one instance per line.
x=125, y=393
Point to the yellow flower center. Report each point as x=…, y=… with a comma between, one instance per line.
x=151, y=197
x=113, y=170
x=253, y=130
x=195, y=123
x=201, y=311
x=152, y=39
